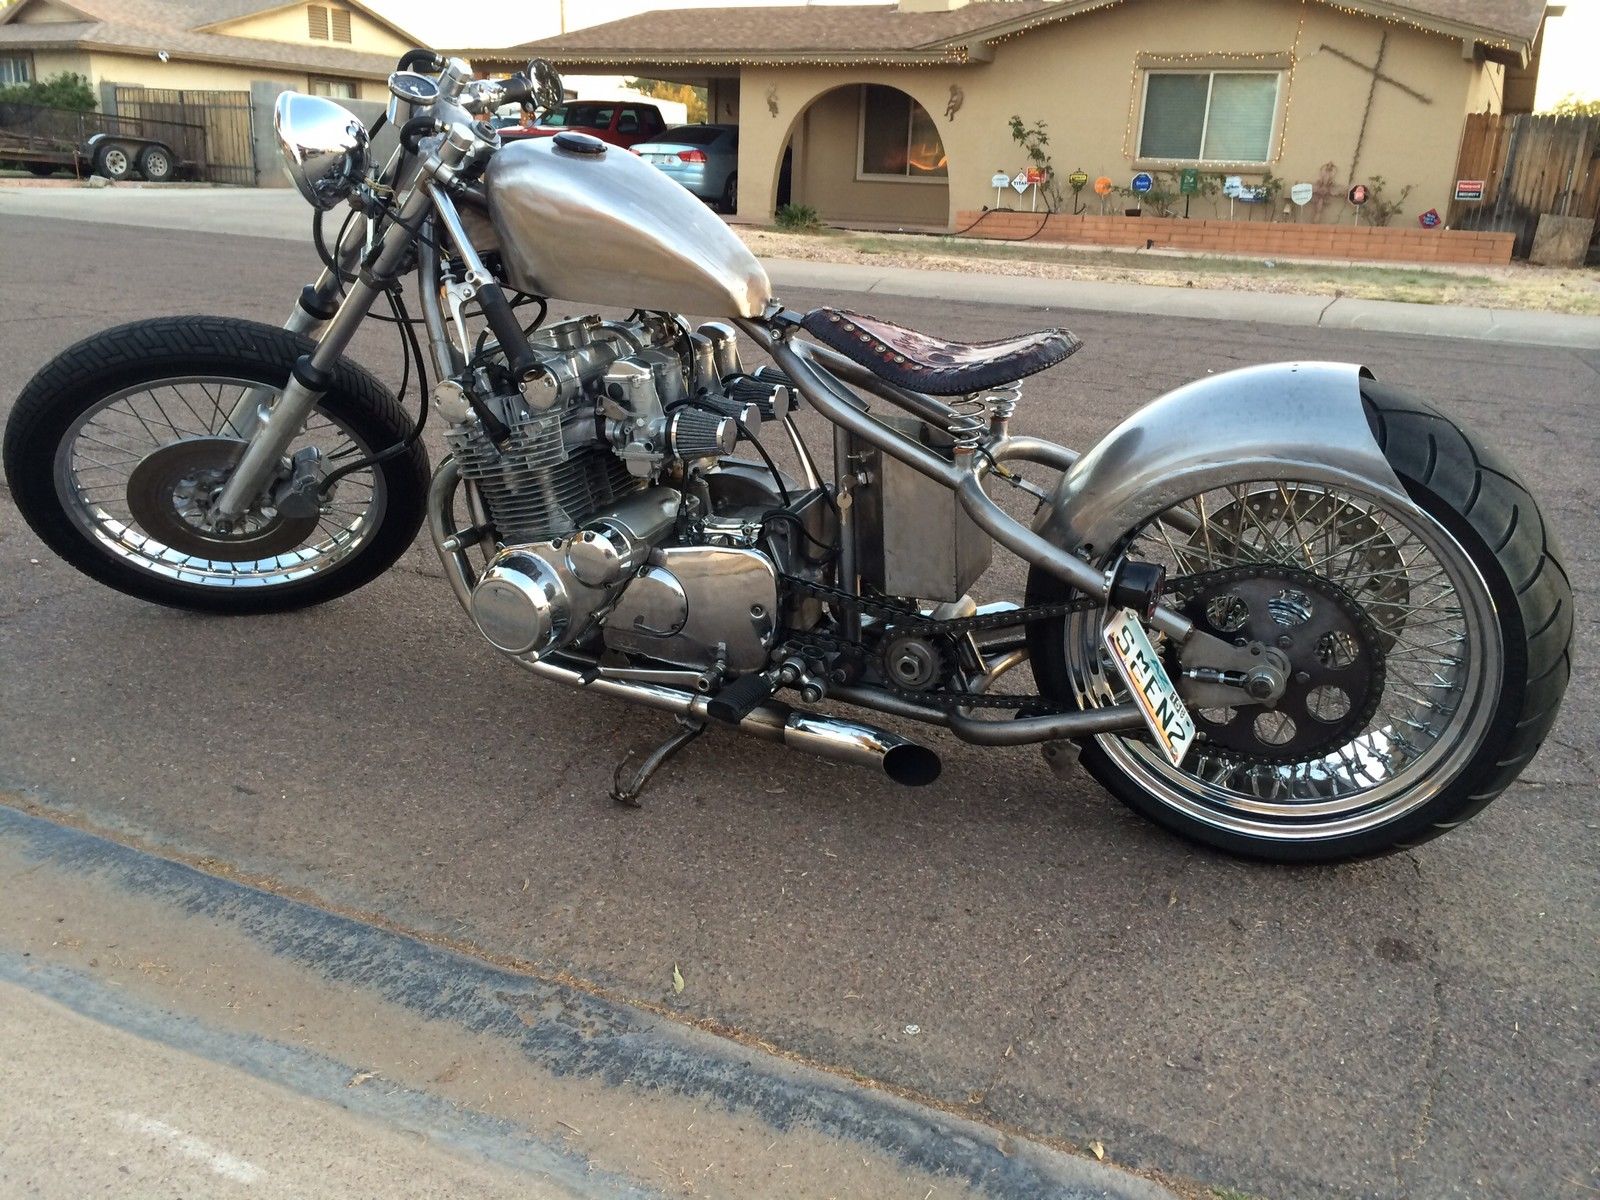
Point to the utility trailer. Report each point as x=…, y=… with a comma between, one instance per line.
x=44, y=140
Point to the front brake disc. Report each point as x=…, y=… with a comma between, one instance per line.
x=169, y=495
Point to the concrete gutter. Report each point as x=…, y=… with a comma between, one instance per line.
x=564, y=1035
x=280, y=214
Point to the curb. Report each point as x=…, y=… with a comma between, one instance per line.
x=594, y=1038
x=1564, y=330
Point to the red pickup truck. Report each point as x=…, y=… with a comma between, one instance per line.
x=620, y=122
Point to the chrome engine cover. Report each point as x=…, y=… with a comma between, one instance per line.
x=698, y=605
x=541, y=596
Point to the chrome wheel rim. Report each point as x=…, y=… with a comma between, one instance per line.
x=96, y=459
x=1442, y=645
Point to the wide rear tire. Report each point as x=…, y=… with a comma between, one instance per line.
x=1479, y=501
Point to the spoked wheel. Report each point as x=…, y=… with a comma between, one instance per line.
x=1426, y=647
x=118, y=449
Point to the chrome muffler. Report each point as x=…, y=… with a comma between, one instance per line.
x=899, y=759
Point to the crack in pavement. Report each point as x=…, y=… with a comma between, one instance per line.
x=1433, y=1072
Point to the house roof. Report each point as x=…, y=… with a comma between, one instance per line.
x=182, y=28
x=881, y=32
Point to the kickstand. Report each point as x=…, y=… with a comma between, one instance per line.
x=628, y=784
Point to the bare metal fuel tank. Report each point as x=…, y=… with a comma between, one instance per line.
x=581, y=220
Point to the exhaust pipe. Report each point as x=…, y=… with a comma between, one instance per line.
x=899, y=759
x=861, y=745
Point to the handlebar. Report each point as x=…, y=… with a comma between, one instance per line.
x=427, y=59
x=486, y=95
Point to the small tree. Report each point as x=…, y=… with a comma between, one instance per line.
x=1033, y=139
x=66, y=90
x=1325, y=188
x=1380, y=211
x=692, y=98
x=1570, y=106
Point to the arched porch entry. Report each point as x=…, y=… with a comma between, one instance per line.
x=867, y=153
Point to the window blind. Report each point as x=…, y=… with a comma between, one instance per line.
x=1174, y=115
x=1240, y=125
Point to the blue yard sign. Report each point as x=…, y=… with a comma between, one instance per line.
x=1142, y=182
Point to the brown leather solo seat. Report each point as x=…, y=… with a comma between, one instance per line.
x=926, y=364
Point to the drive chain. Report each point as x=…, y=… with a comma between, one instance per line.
x=902, y=618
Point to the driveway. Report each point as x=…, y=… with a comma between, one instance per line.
x=1427, y=1025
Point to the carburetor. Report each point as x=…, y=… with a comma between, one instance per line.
x=650, y=419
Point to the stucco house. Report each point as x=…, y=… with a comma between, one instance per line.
x=900, y=112
x=337, y=48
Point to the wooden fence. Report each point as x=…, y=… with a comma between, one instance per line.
x=226, y=156
x=1530, y=165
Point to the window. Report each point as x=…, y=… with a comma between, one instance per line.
x=578, y=116
x=337, y=89
x=628, y=122
x=898, y=138
x=15, y=69
x=1209, y=116
x=317, y=21
x=339, y=19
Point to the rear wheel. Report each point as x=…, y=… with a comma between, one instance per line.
x=117, y=448
x=1429, y=644
x=156, y=165
x=730, y=194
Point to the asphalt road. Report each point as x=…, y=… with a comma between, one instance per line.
x=1425, y=1026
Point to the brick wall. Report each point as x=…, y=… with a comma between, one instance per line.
x=1349, y=242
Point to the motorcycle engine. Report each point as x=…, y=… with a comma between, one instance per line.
x=618, y=516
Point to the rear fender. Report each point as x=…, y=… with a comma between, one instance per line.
x=1289, y=421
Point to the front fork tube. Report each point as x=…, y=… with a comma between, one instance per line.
x=317, y=304
x=277, y=423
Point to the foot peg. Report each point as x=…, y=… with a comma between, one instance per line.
x=737, y=700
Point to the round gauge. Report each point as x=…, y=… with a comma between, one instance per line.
x=413, y=88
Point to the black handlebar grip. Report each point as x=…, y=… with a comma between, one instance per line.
x=503, y=322
x=516, y=90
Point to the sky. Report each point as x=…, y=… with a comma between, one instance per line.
x=1571, y=56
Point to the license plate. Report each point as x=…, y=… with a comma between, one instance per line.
x=1141, y=669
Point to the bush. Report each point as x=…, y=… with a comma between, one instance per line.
x=66, y=90
x=799, y=218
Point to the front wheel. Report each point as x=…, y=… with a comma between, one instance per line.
x=113, y=161
x=1429, y=644
x=118, y=445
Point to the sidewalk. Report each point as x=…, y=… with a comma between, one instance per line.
x=93, y=1109
x=282, y=214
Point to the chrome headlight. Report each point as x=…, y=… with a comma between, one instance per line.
x=324, y=147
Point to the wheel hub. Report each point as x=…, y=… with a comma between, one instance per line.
x=1324, y=651
x=171, y=493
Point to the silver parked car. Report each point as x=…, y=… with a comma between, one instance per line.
x=704, y=158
